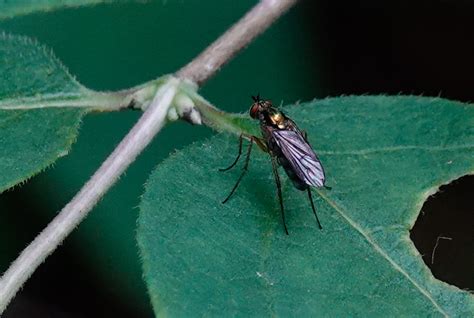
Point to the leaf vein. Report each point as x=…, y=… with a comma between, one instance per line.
x=394, y=149
x=372, y=242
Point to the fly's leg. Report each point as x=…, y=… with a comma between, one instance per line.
x=244, y=170
x=312, y=206
x=236, y=159
x=280, y=197
x=260, y=143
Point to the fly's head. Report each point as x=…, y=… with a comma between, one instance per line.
x=264, y=111
x=259, y=107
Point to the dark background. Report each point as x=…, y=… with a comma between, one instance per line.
x=320, y=48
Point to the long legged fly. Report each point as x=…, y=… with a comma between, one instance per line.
x=288, y=147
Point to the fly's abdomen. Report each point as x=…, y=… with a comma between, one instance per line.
x=297, y=182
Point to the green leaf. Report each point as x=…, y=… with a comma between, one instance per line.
x=383, y=157
x=33, y=137
x=9, y=9
x=32, y=140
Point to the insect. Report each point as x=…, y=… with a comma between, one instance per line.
x=288, y=147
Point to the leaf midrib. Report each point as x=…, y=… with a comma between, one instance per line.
x=75, y=99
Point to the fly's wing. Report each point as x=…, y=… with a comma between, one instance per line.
x=301, y=156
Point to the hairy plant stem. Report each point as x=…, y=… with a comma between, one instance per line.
x=153, y=119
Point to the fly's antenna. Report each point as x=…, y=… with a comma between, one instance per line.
x=256, y=98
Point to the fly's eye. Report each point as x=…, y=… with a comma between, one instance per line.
x=254, y=110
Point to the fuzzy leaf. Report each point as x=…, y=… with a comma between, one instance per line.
x=383, y=157
x=33, y=137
